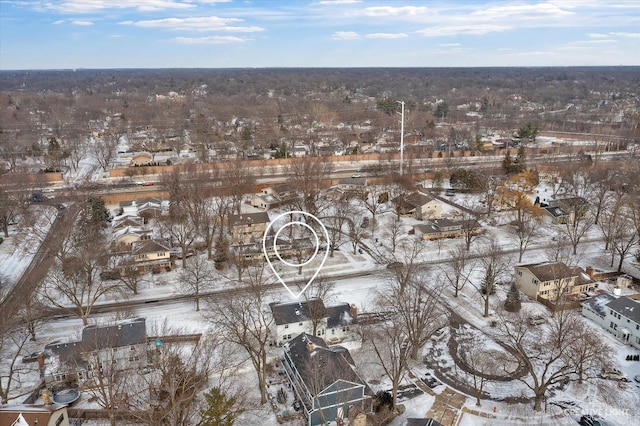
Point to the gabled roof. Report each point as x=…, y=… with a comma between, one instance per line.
x=128, y=220
x=290, y=313
x=598, y=303
x=319, y=365
x=148, y=246
x=550, y=271
x=339, y=315
x=141, y=201
x=94, y=337
x=626, y=306
x=415, y=199
x=248, y=218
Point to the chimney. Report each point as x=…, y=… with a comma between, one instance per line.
x=354, y=311
x=46, y=397
x=310, y=346
x=590, y=271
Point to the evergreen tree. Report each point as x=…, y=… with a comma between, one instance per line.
x=521, y=159
x=97, y=213
x=507, y=163
x=222, y=255
x=220, y=409
x=512, y=303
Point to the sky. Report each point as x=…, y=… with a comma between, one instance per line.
x=49, y=34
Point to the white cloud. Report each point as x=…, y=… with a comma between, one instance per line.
x=624, y=34
x=525, y=12
x=477, y=29
x=338, y=2
x=345, y=35
x=89, y=6
x=387, y=36
x=395, y=11
x=450, y=45
x=61, y=21
x=211, y=40
x=206, y=23
x=82, y=23
x=597, y=35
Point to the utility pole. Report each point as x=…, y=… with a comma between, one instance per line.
x=401, y=136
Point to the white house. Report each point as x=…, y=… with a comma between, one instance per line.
x=619, y=316
x=312, y=317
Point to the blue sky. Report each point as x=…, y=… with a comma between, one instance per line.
x=49, y=34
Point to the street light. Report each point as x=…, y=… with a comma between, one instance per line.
x=401, y=136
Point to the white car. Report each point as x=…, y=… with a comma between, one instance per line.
x=613, y=374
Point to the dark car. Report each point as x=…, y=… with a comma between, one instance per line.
x=395, y=265
x=588, y=420
x=32, y=357
x=37, y=197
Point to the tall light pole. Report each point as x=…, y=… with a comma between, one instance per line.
x=401, y=136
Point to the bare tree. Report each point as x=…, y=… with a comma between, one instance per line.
x=494, y=263
x=198, y=278
x=391, y=348
x=14, y=336
x=103, y=150
x=482, y=364
x=577, y=225
x=416, y=307
x=455, y=270
x=546, y=351
x=373, y=201
x=309, y=177
x=169, y=393
x=335, y=223
x=243, y=320
x=525, y=224
x=74, y=284
x=180, y=228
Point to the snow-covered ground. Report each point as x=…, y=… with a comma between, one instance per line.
x=17, y=250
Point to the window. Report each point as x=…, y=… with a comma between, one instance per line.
x=286, y=326
x=300, y=324
x=60, y=420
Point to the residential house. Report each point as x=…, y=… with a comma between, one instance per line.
x=152, y=255
x=353, y=186
x=619, y=316
x=132, y=208
x=555, y=215
x=274, y=197
x=126, y=221
x=125, y=237
x=248, y=228
x=324, y=380
x=436, y=229
x=34, y=414
x=572, y=206
x=418, y=204
x=546, y=279
x=312, y=317
x=142, y=159
x=121, y=346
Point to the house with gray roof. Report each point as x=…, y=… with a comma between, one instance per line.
x=324, y=379
x=333, y=323
x=622, y=319
x=122, y=346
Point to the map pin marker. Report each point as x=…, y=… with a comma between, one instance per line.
x=266, y=246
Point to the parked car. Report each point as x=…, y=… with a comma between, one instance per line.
x=588, y=420
x=537, y=320
x=33, y=357
x=613, y=374
x=37, y=197
x=637, y=378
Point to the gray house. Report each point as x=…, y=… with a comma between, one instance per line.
x=121, y=346
x=324, y=380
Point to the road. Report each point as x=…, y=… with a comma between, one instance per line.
x=39, y=266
